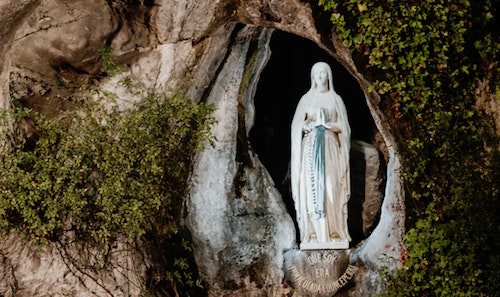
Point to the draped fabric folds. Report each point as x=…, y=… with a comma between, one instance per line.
x=317, y=178
x=320, y=164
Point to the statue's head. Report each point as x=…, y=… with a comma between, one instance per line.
x=321, y=77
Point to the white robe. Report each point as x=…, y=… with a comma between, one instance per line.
x=333, y=226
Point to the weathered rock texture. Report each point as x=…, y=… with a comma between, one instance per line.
x=13, y=14
x=489, y=102
x=236, y=213
x=240, y=228
x=62, y=270
x=367, y=185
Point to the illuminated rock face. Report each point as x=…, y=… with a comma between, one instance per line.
x=236, y=215
x=244, y=238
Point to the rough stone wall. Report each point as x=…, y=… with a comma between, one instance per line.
x=62, y=270
x=240, y=227
x=489, y=102
x=13, y=14
x=235, y=214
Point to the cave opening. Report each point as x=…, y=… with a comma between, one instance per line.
x=283, y=81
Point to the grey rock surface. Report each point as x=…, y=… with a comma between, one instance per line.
x=236, y=215
x=368, y=182
x=62, y=270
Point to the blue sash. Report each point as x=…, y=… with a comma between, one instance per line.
x=318, y=160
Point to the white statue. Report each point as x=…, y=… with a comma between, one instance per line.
x=320, y=164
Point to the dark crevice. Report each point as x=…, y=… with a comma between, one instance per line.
x=243, y=159
x=68, y=67
x=323, y=24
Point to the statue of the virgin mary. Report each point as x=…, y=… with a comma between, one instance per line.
x=320, y=164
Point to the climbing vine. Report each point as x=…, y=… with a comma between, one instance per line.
x=100, y=174
x=426, y=61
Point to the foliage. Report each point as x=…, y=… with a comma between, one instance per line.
x=176, y=274
x=426, y=60
x=109, y=66
x=104, y=173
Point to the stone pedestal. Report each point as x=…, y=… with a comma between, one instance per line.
x=331, y=245
x=318, y=273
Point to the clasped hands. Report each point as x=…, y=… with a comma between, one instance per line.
x=322, y=120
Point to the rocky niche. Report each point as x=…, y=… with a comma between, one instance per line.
x=241, y=216
x=239, y=209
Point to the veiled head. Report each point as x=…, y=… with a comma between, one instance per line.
x=321, y=73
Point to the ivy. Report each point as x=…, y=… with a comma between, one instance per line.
x=426, y=60
x=109, y=66
x=101, y=174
